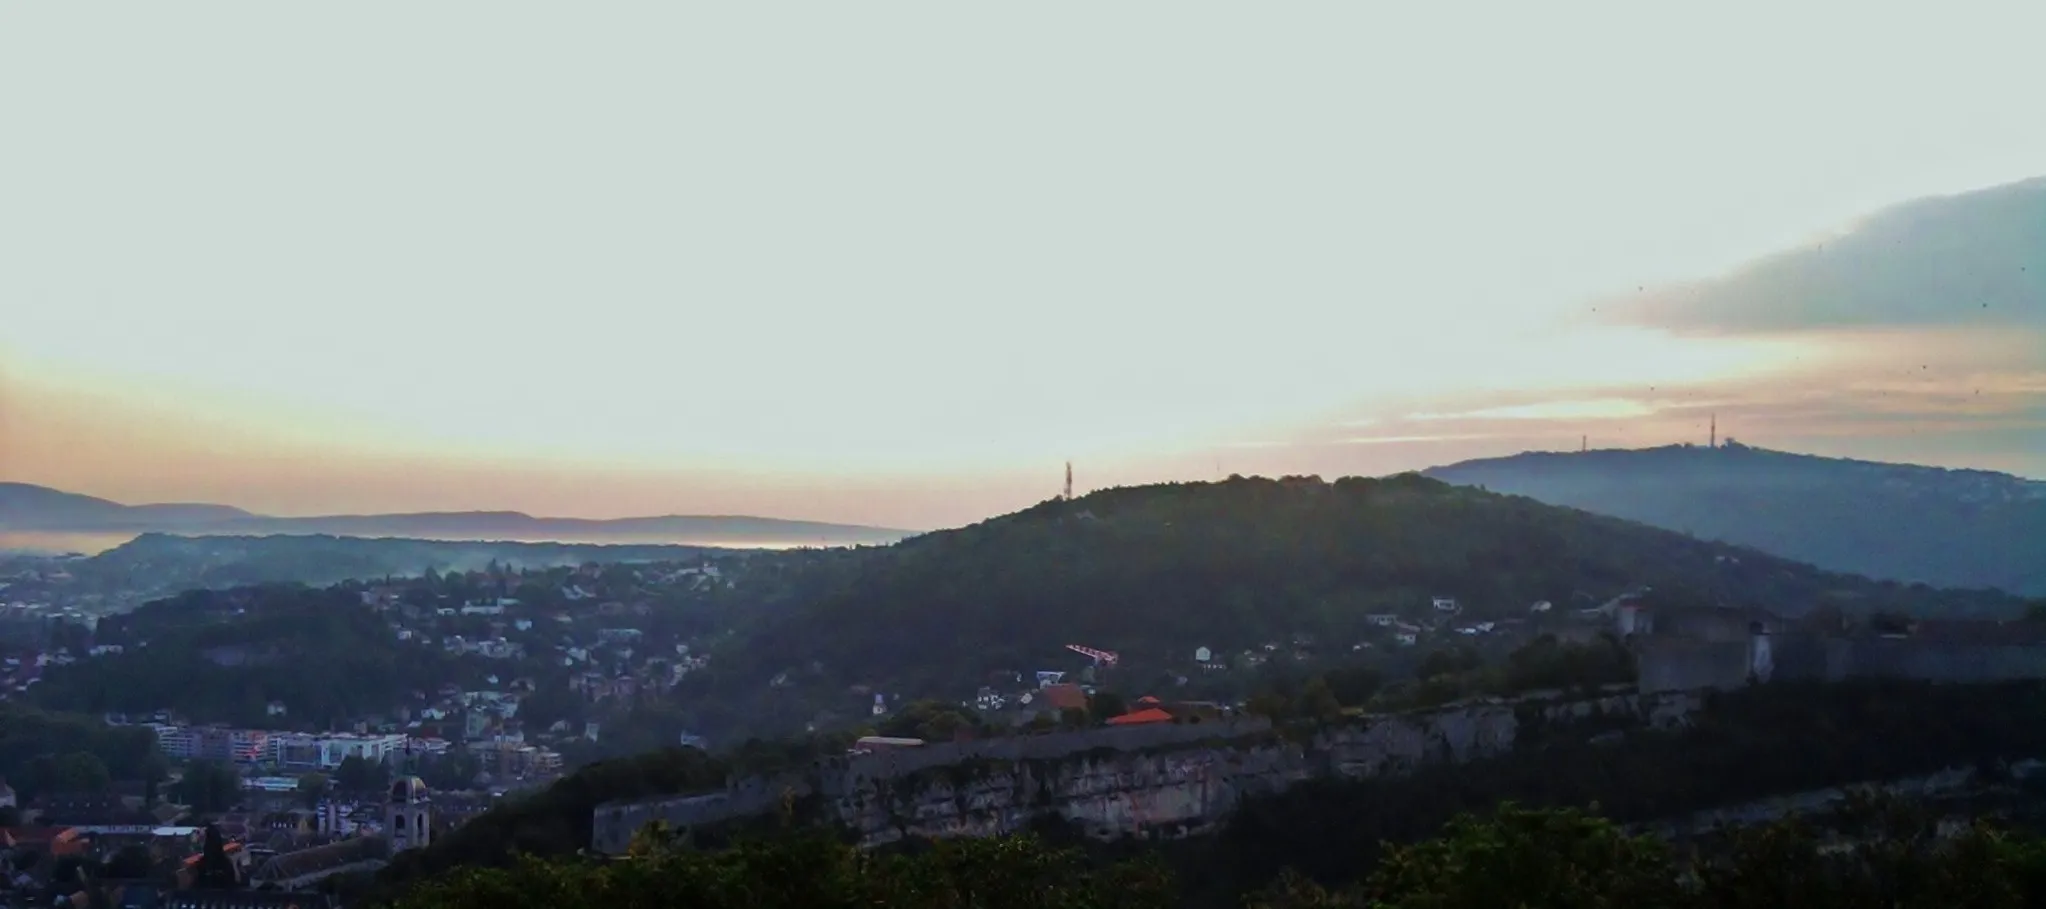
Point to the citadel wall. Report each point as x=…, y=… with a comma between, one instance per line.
x=1670, y=664
x=1163, y=780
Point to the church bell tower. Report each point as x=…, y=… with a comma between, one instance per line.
x=408, y=815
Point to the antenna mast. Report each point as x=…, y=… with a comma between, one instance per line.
x=1712, y=441
x=1069, y=480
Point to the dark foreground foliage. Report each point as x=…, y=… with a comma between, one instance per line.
x=1745, y=745
x=1890, y=855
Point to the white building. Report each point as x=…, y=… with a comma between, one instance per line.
x=334, y=749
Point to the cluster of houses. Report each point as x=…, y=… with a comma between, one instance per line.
x=273, y=850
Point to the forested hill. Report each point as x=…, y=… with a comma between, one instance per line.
x=1953, y=528
x=1157, y=571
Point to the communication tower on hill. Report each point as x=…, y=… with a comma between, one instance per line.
x=1069, y=480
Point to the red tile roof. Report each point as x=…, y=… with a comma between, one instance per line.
x=1065, y=697
x=1152, y=715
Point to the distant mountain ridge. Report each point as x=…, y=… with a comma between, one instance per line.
x=26, y=507
x=1903, y=522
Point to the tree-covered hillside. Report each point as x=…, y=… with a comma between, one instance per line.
x=1161, y=570
x=227, y=656
x=1952, y=528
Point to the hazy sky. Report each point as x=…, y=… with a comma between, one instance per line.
x=893, y=263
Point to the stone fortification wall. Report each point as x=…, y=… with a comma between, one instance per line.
x=1930, y=787
x=1935, y=661
x=1160, y=780
x=1666, y=664
x=1676, y=664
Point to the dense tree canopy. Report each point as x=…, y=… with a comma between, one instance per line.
x=209, y=787
x=1760, y=742
x=1892, y=857
x=1512, y=857
x=226, y=656
x=1155, y=572
x=809, y=872
x=47, y=752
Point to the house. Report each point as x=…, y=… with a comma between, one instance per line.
x=91, y=813
x=45, y=840
x=1064, y=696
x=307, y=867
x=1142, y=717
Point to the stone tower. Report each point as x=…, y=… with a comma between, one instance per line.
x=408, y=815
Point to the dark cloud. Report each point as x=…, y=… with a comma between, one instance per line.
x=1971, y=260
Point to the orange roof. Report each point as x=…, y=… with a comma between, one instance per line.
x=13, y=835
x=1065, y=696
x=58, y=840
x=1152, y=715
x=1147, y=699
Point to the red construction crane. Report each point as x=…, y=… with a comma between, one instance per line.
x=1102, y=657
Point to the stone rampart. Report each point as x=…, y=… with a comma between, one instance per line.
x=1673, y=664
x=1666, y=664
x=1164, y=780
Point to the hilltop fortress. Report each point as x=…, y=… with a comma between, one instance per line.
x=1171, y=780
x=1164, y=780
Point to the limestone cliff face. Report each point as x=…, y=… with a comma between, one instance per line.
x=1164, y=781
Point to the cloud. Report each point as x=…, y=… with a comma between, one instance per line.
x=1967, y=260
x=1593, y=409
x=1401, y=440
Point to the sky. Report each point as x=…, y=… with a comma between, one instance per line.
x=895, y=264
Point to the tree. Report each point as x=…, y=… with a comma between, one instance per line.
x=1106, y=705
x=1447, y=662
x=452, y=771
x=357, y=774
x=1564, y=859
x=928, y=720
x=1317, y=701
x=130, y=862
x=1353, y=686
x=209, y=787
x=215, y=871
x=75, y=771
x=312, y=788
x=806, y=870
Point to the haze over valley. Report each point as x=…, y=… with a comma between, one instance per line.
x=53, y=517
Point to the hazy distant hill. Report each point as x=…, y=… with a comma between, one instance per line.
x=155, y=565
x=26, y=507
x=35, y=508
x=1952, y=528
x=1154, y=572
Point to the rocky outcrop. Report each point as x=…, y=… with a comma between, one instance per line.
x=1164, y=781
